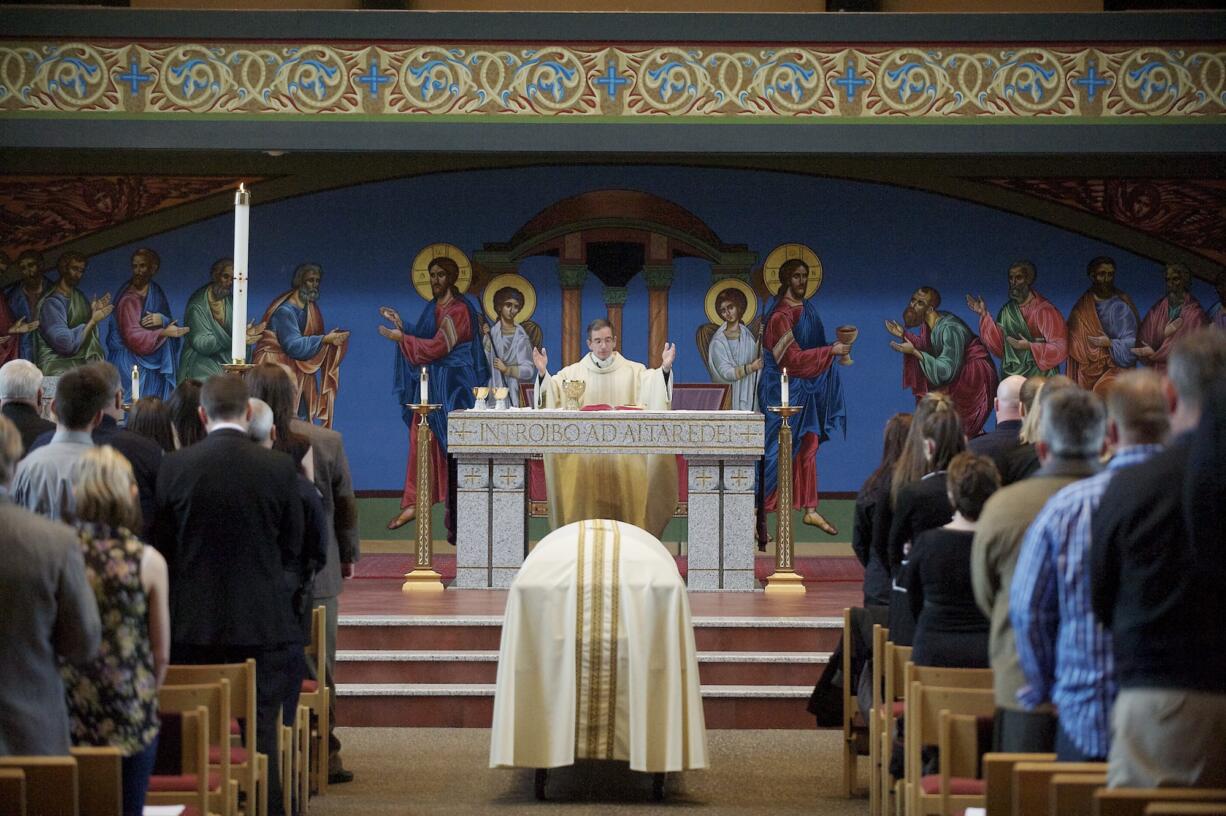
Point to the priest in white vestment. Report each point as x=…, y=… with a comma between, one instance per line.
x=597, y=658
x=639, y=490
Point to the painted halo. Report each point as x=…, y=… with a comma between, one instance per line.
x=786, y=252
x=517, y=282
x=421, y=268
x=751, y=299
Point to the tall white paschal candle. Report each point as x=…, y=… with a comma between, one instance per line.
x=135, y=384
x=238, y=321
x=783, y=388
x=425, y=386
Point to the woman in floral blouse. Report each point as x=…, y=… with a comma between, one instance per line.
x=112, y=699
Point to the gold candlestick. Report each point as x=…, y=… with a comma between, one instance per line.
x=785, y=580
x=239, y=367
x=423, y=578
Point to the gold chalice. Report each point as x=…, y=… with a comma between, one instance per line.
x=500, y=394
x=481, y=393
x=847, y=335
x=573, y=389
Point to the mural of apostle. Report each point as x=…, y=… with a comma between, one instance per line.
x=68, y=321
x=209, y=316
x=1029, y=333
x=23, y=297
x=508, y=343
x=444, y=340
x=732, y=351
x=945, y=355
x=1174, y=316
x=145, y=333
x=1102, y=330
x=1217, y=314
x=794, y=338
x=294, y=336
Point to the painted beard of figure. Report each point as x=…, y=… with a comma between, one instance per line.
x=309, y=292
x=1102, y=285
x=223, y=284
x=912, y=316
x=1020, y=292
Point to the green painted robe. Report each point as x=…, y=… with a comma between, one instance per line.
x=207, y=346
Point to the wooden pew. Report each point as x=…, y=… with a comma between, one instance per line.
x=100, y=773
x=1072, y=793
x=1133, y=801
x=998, y=779
x=1032, y=783
x=50, y=782
x=12, y=792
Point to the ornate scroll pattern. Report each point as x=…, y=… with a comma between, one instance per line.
x=630, y=82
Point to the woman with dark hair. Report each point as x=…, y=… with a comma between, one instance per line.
x=274, y=385
x=950, y=629
x=150, y=417
x=876, y=489
x=184, y=407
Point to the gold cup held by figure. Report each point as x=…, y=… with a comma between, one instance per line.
x=847, y=335
x=573, y=389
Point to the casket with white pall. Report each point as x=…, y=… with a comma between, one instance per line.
x=597, y=657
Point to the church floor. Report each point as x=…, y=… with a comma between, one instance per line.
x=444, y=771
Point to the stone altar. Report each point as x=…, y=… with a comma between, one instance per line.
x=722, y=449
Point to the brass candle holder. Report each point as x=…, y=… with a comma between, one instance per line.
x=239, y=367
x=785, y=580
x=423, y=578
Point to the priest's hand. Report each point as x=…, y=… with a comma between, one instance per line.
x=389, y=314
x=667, y=356
x=540, y=359
x=172, y=330
x=976, y=305
x=1172, y=327
x=1018, y=343
x=893, y=327
x=1144, y=352
x=153, y=320
x=1100, y=341
x=904, y=347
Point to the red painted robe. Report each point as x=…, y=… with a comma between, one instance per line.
x=454, y=327
x=10, y=344
x=1044, y=320
x=800, y=363
x=1154, y=324
x=320, y=395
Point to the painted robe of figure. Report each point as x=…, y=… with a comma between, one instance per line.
x=794, y=338
x=129, y=343
x=729, y=357
x=443, y=341
x=952, y=359
x=294, y=336
x=1037, y=321
x=515, y=351
x=639, y=490
x=1114, y=317
x=206, y=348
x=65, y=338
x=24, y=306
x=1153, y=328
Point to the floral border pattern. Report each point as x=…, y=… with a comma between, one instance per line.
x=628, y=82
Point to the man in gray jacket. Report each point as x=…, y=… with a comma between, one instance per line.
x=47, y=611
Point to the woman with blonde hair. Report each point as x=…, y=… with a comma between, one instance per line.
x=112, y=699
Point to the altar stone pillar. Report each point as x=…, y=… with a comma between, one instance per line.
x=572, y=277
x=492, y=514
x=721, y=520
x=659, y=278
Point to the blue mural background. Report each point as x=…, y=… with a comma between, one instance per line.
x=877, y=244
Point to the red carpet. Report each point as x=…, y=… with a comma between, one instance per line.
x=813, y=568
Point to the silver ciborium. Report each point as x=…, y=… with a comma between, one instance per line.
x=573, y=389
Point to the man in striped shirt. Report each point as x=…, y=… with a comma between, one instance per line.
x=1065, y=654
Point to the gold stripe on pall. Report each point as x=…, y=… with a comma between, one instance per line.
x=595, y=645
x=614, y=612
x=579, y=632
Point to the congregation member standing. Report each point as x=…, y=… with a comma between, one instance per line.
x=1072, y=424
x=229, y=520
x=21, y=394
x=1003, y=439
x=1065, y=655
x=876, y=489
x=47, y=611
x=1158, y=564
x=112, y=699
x=44, y=478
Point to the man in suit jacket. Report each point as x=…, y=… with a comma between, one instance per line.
x=229, y=522
x=999, y=442
x=340, y=530
x=47, y=611
x=21, y=394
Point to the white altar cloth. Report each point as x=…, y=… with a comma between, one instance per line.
x=597, y=658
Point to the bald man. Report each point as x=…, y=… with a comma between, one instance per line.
x=998, y=443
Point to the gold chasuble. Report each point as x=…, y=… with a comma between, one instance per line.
x=597, y=658
x=639, y=490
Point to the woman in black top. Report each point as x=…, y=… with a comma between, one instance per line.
x=950, y=629
x=876, y=490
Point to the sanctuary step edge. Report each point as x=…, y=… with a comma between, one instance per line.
x=439, y=670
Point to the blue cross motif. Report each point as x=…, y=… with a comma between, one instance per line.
x=135, y=78
x=850, y=82
x=373, y=79
x=611, y=81
x=1092, y=81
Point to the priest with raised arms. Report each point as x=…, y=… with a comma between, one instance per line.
x=639, y=490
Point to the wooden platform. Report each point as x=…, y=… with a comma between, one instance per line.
x=413, y=660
